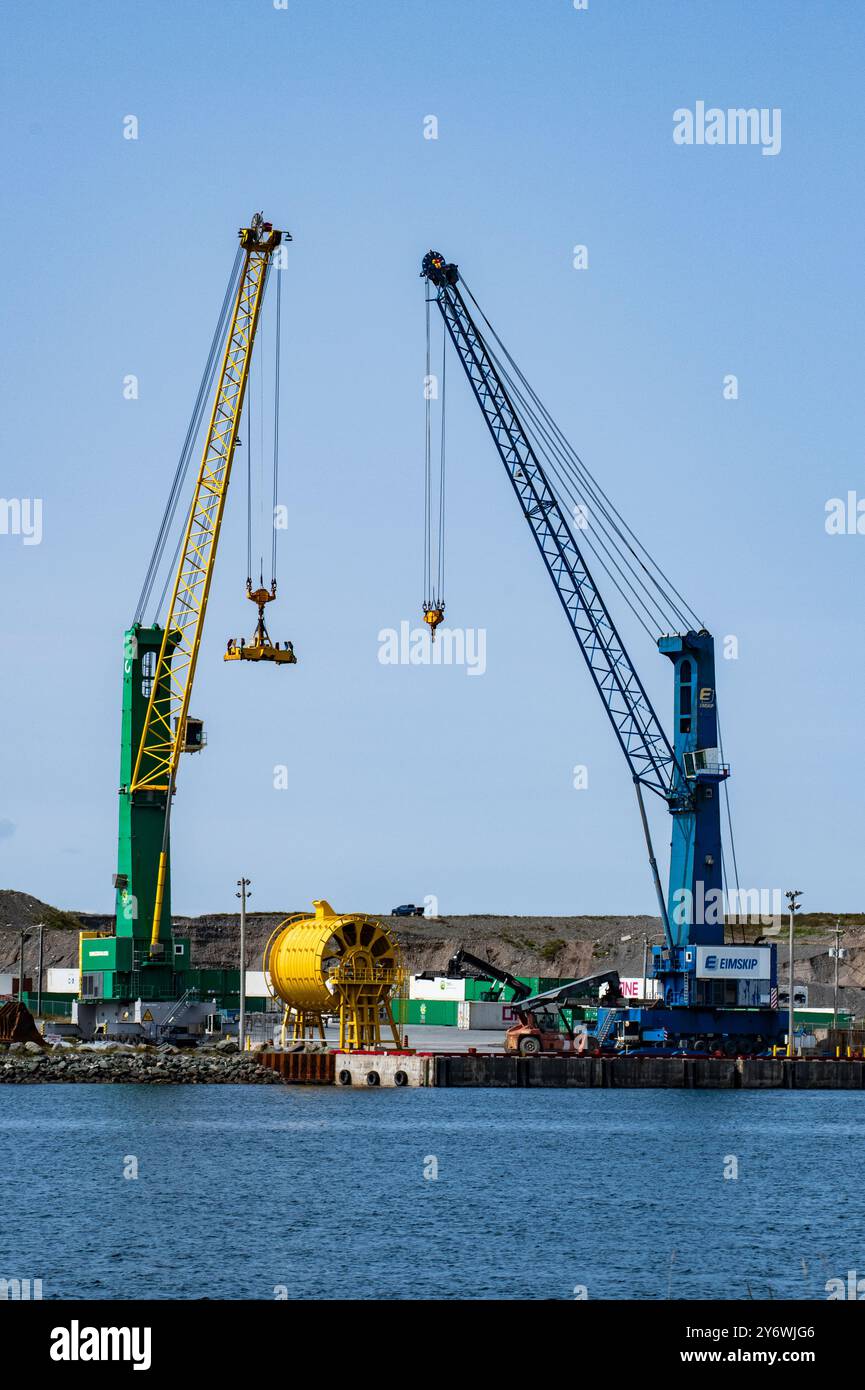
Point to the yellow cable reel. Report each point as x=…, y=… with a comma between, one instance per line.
x=336, y=964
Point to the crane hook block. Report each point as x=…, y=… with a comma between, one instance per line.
x=260, y=648
x=433, y=616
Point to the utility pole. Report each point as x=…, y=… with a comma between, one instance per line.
x=243, y=894
x=39, y=969
x=21, y=967
x=792, y=895
x=837, y=954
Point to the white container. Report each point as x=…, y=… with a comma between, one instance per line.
x=483, y=1013
x=632, y=987
x=256, y=985
x=5, y=984
x=440, y=988
x=61, y=979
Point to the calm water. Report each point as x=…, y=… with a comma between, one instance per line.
x=241, y=1189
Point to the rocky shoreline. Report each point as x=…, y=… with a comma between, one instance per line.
x=221, y=1065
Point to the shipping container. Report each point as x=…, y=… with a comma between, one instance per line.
x=442, y=987
x=632, y=987
x=484, y=1014
x=61, y=979
x=9, y=985
x=433, y=1012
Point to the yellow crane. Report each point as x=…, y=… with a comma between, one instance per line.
x=167, y=730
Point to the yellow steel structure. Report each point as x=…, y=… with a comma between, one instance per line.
x=260, y=648
x=331, y=964
x=164, y=732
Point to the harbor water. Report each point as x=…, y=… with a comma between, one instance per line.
x=307, y=1193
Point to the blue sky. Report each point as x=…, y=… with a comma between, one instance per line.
x=555, y=129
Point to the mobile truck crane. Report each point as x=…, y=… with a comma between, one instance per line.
x=710, y=996
x=544, y=1021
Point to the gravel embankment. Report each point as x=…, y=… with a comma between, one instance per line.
x=28, y=1063
x=564, y=947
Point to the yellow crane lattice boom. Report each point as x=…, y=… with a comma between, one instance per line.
x=164, y=731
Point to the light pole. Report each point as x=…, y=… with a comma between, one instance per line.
x=837, y=954
x=792, y=895
x=243, y=894
x=39, y=970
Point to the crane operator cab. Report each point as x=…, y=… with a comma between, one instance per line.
x=260, y=647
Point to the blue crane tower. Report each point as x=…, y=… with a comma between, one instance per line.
x=709, y=996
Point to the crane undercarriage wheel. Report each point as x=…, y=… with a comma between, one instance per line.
x=530, y=1047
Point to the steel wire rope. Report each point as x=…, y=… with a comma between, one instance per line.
x=611, y=512
x=647, y=603
x=186, y=452
x=586, y=478
x=248, y=492
x=670, y=615
x=441, y=535
x=427, y=461
x=727, y=801
x=277, y=354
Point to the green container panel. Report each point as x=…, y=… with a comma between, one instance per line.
x=480, y=989
x=123, y=953
x=434, y=1012
x=214, y=981
x=106, y=953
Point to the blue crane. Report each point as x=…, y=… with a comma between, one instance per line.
x=707, y=994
